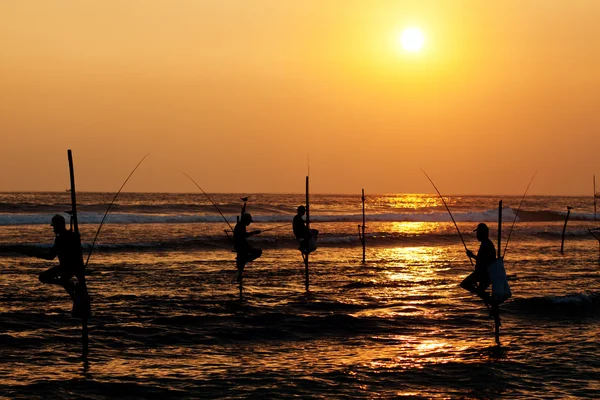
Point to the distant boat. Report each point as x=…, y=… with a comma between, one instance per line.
x=67, y=190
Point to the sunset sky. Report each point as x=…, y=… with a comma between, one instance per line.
x=244, y=95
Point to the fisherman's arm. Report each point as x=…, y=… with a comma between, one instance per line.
x=471, y=255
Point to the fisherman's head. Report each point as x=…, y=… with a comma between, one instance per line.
x=301, y=210
x=58, y=223
x=483, y=232
x=247, y=218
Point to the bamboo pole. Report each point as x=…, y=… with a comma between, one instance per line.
x=362, y=237
x=495, y=306
x=305, y=256
x=562, y=244
x=499, y=227
x=595, y=219
x=82, y=288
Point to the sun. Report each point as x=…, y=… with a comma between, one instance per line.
x=412, y=39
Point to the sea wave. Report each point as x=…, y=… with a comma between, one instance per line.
x=284, y=240
x=179, y=218
x=573, y=305
x=28, y=214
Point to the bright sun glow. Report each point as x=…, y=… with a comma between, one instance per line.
x=412, y=39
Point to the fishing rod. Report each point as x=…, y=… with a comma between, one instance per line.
x=275, y=227
x=517, y=214
x=448, y=209
x=209, y=199
x=108, y=210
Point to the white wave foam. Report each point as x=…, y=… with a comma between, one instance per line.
x=147, y=218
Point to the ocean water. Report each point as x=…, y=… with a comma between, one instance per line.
x=168, y=320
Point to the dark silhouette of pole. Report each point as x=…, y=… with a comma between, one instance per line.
x=597, y=238
x=305, y=256
x=81, y=285
x=241, y=275
x=499, y=227
x=495, y=305
x=562, y=244
x=361, y=228
x=595, y=198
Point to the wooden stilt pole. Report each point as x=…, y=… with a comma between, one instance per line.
x=562, y=244
x=362, y=236
x=495, y=306
x=591, y=231
x=595, y=219
x=240, y=276
x=499, y=228
x=305, y=256
x=81, y=290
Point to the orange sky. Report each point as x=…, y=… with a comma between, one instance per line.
x=238, y=93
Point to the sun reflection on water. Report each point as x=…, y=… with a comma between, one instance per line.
x=411, y=353
x=407, y=201
x=416, y=228
x=410, y=282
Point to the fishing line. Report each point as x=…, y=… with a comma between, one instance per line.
x=209, y=199
x=275, y=227
x=108, y=210
x=448, y=209
x=517, y=214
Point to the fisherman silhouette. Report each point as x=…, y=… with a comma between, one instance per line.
x=245, y=252
x=67, y=247
x=303, y=235
x=479, y=280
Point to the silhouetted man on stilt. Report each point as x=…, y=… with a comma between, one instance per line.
x=479, y=280
x=67, y=247
x=304, y=236
x=300, y=230
x=245, y=252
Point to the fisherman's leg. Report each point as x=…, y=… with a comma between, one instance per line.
x=81, y=290
x=254, y=253
x=470, y=283
x=311, y=240
x=68, y=284
x=484, y=283
x=485, y=296
x=240, y=263
x=305, y=243
x=52, y=276
x=81, y=283
x=302, y=244
x=57, y=276
x=81, y=300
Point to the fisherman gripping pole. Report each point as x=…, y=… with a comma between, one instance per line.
x=448, y=209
